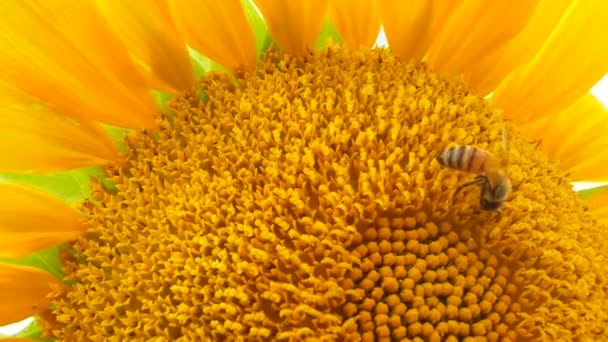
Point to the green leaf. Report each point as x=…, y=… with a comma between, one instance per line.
x=260, y=30
x=585, y=194
x=328, y=35
x=46, y=259
x=71, y=186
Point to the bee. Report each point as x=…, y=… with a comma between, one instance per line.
x=491, y=171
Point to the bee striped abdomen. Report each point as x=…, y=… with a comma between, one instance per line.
x=464, y=158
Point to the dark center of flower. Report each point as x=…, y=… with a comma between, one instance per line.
x=305, y=200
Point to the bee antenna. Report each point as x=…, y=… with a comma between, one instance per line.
x=505, y=145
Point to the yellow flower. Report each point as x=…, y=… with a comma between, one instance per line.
x=299, y=194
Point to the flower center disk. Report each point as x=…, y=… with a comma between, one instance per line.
x=305, y=200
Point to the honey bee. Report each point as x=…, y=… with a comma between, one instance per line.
x=491, y=171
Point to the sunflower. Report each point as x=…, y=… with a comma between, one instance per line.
x=260, y=172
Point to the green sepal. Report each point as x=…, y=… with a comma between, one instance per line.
x=162, y=100
x=585, y=194
x=328, y=35
x=203, y=64
x=46, y=259
x=117, y=134
x=263, y=40
x=70, y=186
x=33, y=331
x=108, y=184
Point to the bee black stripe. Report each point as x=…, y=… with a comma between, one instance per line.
x=459, y=156
x=453, y=157
x=471, y=158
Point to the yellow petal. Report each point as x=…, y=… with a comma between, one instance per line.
x=218, y=29
x=65, y=54
x=574, y=58
x=598, y=204
x=31, y=220
x=35, y=139
x=294, y=25
x=576, y=138
x=476, y=29
x=23, y=292
x=358, y=21
x=150, y=35
x=485, y=75
x=411, y=26
x=21, y=244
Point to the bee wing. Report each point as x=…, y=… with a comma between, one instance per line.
x=493, y=162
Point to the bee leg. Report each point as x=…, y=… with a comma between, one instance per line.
x=477, y=181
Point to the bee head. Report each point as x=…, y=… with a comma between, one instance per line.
x=491, y=205
x=493, y=198
x=501, y=190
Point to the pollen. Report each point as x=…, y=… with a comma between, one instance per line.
x=304, y=200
